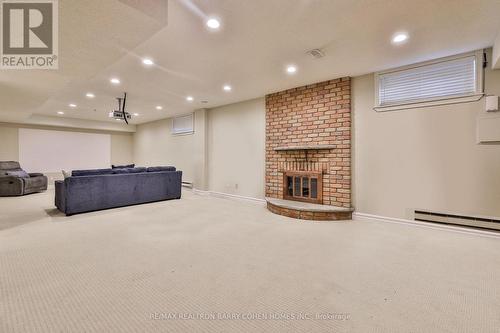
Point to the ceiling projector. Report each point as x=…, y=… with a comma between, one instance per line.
x=121, y=114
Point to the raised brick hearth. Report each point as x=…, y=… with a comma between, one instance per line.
x=307, y=211
x=309, y=128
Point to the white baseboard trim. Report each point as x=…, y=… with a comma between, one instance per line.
x=228, y=196
x=429, y=225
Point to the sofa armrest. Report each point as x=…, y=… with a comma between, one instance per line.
x=60, y=195
x=11, y=186
x=35, y=174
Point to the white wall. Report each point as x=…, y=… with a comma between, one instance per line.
x=423, y=158
x=9, y=143
x=236, y=148
x=225, y=154
x=154, y=144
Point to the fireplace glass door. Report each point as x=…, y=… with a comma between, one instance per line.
x=303, y=186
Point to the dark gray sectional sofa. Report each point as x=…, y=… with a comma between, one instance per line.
x=90, y=190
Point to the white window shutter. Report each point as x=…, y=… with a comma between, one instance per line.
x=183, y=124
x=440, y=80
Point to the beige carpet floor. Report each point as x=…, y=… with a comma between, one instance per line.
x=206, y=264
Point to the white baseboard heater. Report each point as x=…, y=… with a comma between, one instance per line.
x=463, y=220
x=187, y=184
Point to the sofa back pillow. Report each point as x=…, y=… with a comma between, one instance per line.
x=122, y=166
x=94, y=172
x=17, y=173
x=128, y=170
x=9, y=165
x=161, y=168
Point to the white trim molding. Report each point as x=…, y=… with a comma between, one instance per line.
x=229, y=196
x=428, y=225
x=442, y=101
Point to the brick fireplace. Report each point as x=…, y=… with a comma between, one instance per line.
x=308, y=151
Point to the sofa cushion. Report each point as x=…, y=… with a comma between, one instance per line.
x=35, y=184
x=122, y=166
x=10, y=186
x=9, y=165
x=18, y=173
x=35, y=174
x=129, y=170
x=94, y=172
x=161, y=168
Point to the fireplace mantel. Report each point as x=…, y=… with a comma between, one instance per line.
x=309, y=147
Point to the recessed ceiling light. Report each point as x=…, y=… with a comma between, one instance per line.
x=213, y=23
x=227, y=87
x=115, y=80
x=136, y=114
x=159, y=107
x=72, y=105
x=90, y=95
x=189, y=98
x=291, y=69
x=400, y=38
x=60, y=112
x=147, y=62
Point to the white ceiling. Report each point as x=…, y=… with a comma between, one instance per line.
x=258, y=38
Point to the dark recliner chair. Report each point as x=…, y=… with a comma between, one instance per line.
x=14, y=181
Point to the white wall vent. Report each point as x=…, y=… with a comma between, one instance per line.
x=316, y=53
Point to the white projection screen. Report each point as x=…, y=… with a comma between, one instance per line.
x=53, y=151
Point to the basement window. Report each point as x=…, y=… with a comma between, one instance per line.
x=183, y=124
x=444, y=81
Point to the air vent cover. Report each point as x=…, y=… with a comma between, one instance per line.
x=316, y=53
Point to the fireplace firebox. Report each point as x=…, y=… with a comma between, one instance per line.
x=306, y=186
